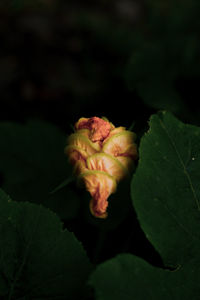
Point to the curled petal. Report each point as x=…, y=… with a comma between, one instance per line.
x=80, y=123
x=112, y=126
x=84, y=132
x=81, y=141
x=77, y=157
x=127, y=162
x=107, y=163
x=114, y=131
x=75, y=153
x=121, y=144
x=80, y=167
x=100, y=185
x=130, y=151
x=99, y=128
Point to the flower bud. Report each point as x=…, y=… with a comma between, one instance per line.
x=102, y=155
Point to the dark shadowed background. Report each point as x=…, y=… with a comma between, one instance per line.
x=62, y=60
x=122, y=59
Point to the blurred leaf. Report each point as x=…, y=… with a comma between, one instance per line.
x=116, y=36
x=165, y=193
x=166, y=50
x=38, y=259
x=160, y=94
x=33, y=164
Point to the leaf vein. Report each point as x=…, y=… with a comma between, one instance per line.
x=178, y=222
x=182, y=164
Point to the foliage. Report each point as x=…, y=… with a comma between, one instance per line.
x=38, y=259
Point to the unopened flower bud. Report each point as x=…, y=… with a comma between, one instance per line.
x=102, y=155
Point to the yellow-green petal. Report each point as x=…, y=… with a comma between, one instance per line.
x=84, y=143
x=121, y=144
x=100, y=185
x=75, y=153
x=107, y=163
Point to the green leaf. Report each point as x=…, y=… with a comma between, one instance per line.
x=166, y=193
x=33, y=164
x=165, y=188
x=129, y=277
x=38, y=259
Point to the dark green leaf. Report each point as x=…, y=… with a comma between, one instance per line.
x=165, y=188
x=128, y=277
x=33, y=164
x=38, y=259
x=166, y=194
